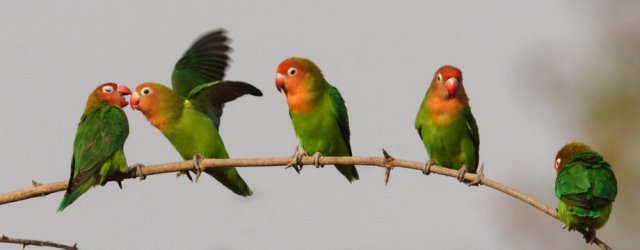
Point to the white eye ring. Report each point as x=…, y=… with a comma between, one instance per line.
x=292, y=71
x=558, y=163
x=107, y=89
x=146, y=91
x=439, y=77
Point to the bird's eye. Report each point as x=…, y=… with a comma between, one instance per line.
x=558, y=163
x=439, y=77
x=292, y=71
x=146, y=91
x=107, y=89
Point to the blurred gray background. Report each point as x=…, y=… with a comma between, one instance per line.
x=539, y=74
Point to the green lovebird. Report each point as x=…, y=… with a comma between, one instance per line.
x=585, y=187
x=97, y=148
x=317, y=111
x=189, y=115
x=446, y=126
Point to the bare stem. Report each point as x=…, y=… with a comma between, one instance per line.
x=388, y=162
x=25, y=242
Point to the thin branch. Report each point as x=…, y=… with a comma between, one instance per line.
x=387, y=162
x=25, y=242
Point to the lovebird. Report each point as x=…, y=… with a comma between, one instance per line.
x=586, y=188
x=317, y=111
x=98, y=146
x=189, y=115
x=447, y=127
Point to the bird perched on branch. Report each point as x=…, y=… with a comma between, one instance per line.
x=189, y=115
x=586, y=188
x=317, y=111
x=98, y=146
x=446, y=126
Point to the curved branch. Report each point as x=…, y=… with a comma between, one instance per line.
x=25, y=242
x=387, y=162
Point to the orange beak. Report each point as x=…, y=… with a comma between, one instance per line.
x=280, y=82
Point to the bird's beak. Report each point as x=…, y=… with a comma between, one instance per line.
x=123, y=91
x=452, y=86
x=135, y=98
x=279, y=82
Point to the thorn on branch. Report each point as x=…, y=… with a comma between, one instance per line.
x=388, y=165
x=35, y=183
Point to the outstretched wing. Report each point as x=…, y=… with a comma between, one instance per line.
x=204, y=62
x=211, y=97
x=100, y=134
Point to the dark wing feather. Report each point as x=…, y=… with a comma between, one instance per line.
x=211, y=97
x=204, y=62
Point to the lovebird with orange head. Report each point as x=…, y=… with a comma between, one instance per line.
x=317, y=111
x=586, y=188
x=98, y=146
x=189, y=115
x=446, y=126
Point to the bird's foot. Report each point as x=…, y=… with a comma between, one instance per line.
x=138, y=172
x=590, y=236
x=296, y=160
x=479, y=176
x=196, y=165
x=316, y=160
x=463, y=170
x=427, y=167
x=568, y=228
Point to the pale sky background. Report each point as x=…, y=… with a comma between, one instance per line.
x=381, y=56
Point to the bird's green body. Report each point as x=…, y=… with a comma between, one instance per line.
x=585, y=187
x=325, y=129
x=189, y=115
x=318, y=113
x=97, y=148
x=446, y=126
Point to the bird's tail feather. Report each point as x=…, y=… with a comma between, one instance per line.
x=230, y=178
x=348, y=171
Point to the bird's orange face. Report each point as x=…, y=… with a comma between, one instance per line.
x=153, y=100
x=448, y=78
x=290, y=76
x=113, y=94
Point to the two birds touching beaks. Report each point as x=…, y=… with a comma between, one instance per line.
x=188, y=115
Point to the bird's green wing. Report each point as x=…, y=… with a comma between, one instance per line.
x=586, y=180
x=340, y=112
x=204, y=62
x=100, y=134
x=210, y=98
x=472, y=129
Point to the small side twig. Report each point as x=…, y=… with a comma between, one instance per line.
x=26, y=242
